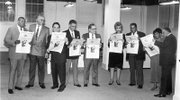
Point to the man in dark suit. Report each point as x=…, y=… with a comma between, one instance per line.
x=136, y=60
x=58, y=61
x=88, y=63
x=72, y=33
x=38, y=50
x=17, y=60
x=167, y=61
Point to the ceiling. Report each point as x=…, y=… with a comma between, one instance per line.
x=128, y=2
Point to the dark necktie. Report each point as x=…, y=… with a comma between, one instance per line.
x=21, y=28
x=37, y=33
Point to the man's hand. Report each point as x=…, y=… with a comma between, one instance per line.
x=17, y=42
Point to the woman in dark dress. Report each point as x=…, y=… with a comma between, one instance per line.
x=58, y=61
x=116, y=59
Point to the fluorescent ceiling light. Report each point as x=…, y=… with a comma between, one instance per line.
x=123, y=7
x=91, y=0
x=69, y=4
x=169, y=2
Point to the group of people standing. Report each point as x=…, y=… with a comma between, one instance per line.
x=61, y=62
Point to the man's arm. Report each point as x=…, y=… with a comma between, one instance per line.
x=8, y=42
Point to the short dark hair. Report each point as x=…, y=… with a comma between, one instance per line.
x=72, y=21
x=21, y=18
x=118, y=24
x=90, y=25
x=57, y=24
x=133, y=24
x=157, y=30
x=167, y=29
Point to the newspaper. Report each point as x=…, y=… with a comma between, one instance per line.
x=92, y=48
x=25, y=38
x=133, y=44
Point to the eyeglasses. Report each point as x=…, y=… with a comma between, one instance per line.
x=93, y=28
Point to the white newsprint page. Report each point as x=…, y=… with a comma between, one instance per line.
x=133, y=44
x=25, y=38
x=148, y=43
x=57, y=41
x=116, y=43
x=75, y=47
x=92, y=48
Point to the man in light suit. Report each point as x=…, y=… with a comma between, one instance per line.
x=72, y=33
x=88, y=63
x=38, y=50
x=136, y=60
x=17, y=60
x=167, y=61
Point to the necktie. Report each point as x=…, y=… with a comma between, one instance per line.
x=21, y=28
x=37, y=32
x=72, y=34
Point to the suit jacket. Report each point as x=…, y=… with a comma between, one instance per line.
x=141, y=52
x=167, y=50
x=56, y=56
x=70, y=38
x=38, y=46
x=9, y=41
x=86, y=36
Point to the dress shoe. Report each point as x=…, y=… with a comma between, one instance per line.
x=140, y=87
x=132, y=84
x=28, y=86
x=111, y=82
x=42, y=86
x=18, y=88
x=85, y=85
x=118, y=83
x=97, y=85
x=78, y=85
x=154, y=88
x=10, y=91
x=168, y=93
x=160, y=95
x=54, y=87
x=61, y=88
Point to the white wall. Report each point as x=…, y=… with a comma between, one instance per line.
x=55, y=11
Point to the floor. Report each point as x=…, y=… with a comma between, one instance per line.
x=104, y=92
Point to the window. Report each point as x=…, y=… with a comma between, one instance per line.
x=7, y=11
x=34, y=8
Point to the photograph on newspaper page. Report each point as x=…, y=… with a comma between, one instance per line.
x=92, y=48
x=25, y=38
x=57, y=41
x=116, y=43
x=133, y=44
x=75, y=47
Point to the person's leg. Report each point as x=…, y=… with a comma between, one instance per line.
x=132, y=70
x=62, y=75
x=54, y=74
x=169, y=80
x=95, y=72
x=118, y=76
x=32, y=69
x=139, y=73
x=68, y=65
x=75, y=71
x=111, y=76
x=163, y=81
x=41, y=69
x=12, y=73
x=87, y=65
x=20, y=69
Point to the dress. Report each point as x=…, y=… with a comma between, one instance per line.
x=155, y=69
x=115, y=60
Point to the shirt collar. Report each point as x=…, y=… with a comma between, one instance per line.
x=169, y=34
